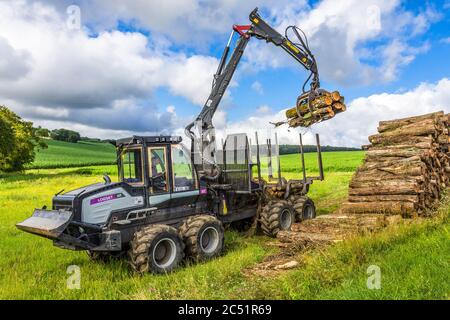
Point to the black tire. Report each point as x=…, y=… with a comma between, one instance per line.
x=309, y=210
x=203, y=236
x=156, y=248
x=105, y=256
x=303, y=206
x=276, y=215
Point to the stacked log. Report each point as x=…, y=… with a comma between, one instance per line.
x=323, y=107
x=279, y=190
x=406, y=168
x=335, y=227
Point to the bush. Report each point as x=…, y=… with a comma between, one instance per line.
x=65, y=135
x=42, y=132
x=18, y=140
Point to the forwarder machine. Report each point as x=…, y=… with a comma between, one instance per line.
x=172, y=202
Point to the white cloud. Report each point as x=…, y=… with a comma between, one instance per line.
x=48, y=71
x=263, y=109
x=352, y=127
x=257, y=87
x=344, y=35
x=445, y=40
x=107, y=80
x=397, y=54
x=14, y=64
x=187, y=21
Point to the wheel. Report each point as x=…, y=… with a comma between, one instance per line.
x=105, y=256
x=156, y=248
x=276, y=215
x=203, y=236
x=309, y=210
x=303, y=206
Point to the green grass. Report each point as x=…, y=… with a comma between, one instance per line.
x=341, y=161
x=413, y=258
x=31, y=268
x=60, y=154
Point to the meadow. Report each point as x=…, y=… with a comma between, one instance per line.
x=414, y=257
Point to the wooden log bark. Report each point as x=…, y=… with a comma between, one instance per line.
x=383, y=190
x=406, y=145
x=383, y=198
x=422, y=128
x=394, y=152
x=394, y=124
x=393, y=166
x=387, y=207
x=392, y=173
x=379, y=140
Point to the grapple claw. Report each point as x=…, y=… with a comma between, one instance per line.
x=315, y=106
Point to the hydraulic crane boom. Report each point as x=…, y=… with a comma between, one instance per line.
x=205, y=161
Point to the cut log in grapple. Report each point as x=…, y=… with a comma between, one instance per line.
x=313, y=107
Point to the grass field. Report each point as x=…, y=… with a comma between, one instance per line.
x=414, y=258
x=61, y=154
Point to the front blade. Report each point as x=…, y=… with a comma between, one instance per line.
x=46, y=223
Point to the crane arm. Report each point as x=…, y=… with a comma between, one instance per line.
x=299, y=51
x=261, y=30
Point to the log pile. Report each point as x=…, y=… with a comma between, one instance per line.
x=279, y=191
x=331, y=228
x=323, y=107
x=406, y=168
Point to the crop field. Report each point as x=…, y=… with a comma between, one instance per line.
x=60, y=154
x=413, y=257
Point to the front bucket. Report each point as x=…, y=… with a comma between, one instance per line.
x=46, y=223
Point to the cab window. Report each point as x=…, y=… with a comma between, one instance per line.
x=183, y=178
x=132, y=166
x=158, y=170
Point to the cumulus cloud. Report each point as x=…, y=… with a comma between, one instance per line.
x=98, y=78
x=349, y=37
x=107, y=80
x=14, y=64
x=339, y=32
x=258, y=87
x=187, y=21
x=360, y=120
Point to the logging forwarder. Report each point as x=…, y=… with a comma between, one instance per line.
x=172, y=203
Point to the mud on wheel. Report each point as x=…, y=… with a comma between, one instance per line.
x=304, y=207
x=276, y=215
x=156, y=248
x=203, y=236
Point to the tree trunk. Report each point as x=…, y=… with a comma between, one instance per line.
x=387, y=207
x=394, y=124
x=382, y=198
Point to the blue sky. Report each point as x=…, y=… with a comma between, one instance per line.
x=147, y=66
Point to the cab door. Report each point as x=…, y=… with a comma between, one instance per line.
x=158, y=170
x=185, y=189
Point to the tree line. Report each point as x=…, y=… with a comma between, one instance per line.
x=289, y=149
